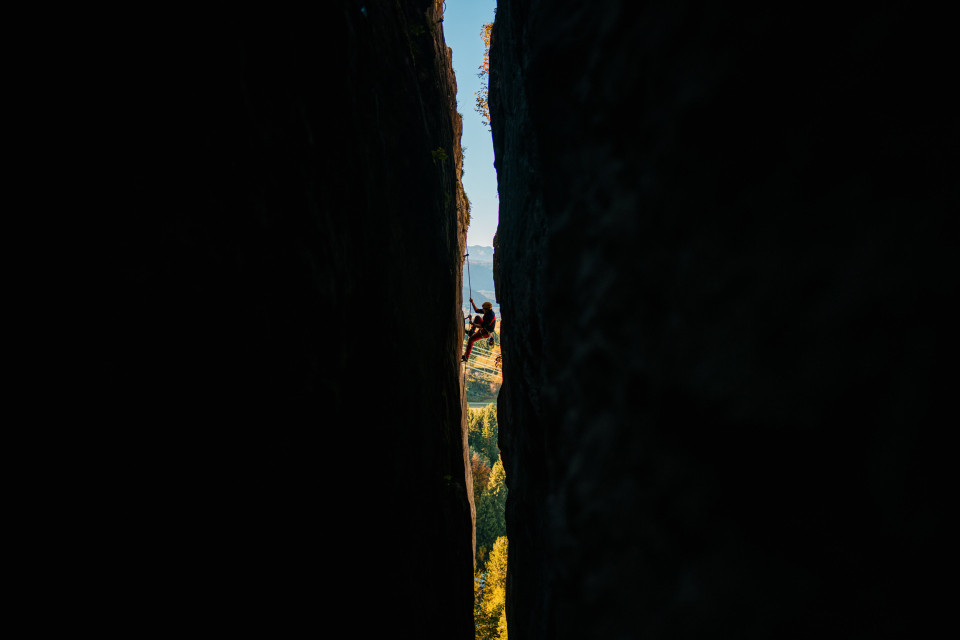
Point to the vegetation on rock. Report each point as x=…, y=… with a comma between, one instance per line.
x=483, y=107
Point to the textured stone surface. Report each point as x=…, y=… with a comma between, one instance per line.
x=725, y=255
x=277, y=409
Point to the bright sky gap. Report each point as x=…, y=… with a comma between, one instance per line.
x=462, y=22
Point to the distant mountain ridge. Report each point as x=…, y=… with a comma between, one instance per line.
x=480, y=254
x=479, y=276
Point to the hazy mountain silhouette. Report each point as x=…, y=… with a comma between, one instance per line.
x=479, y=278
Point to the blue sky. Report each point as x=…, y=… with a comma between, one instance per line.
x=462, y=21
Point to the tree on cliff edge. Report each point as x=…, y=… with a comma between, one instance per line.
x=483, y=106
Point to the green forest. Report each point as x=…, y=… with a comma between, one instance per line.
x=489, y=496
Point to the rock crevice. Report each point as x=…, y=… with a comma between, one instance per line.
x=723, y=258
x=277, y=378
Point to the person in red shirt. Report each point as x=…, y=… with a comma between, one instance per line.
x=482, y=326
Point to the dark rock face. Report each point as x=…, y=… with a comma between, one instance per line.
x=272, y=420
x=725, y=258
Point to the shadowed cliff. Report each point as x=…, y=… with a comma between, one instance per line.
x=276, y=395
x=725, y=257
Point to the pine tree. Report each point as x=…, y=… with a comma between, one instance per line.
x=497, y=490
x=490, y=593
x=491, y=506
x=489, y=432
x=475, y=424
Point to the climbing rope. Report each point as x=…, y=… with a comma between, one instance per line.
x=467, y=317
x=469, y=284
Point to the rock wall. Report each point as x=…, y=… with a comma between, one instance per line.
x=277, y=413
x=725, y=256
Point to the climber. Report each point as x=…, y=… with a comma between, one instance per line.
x=482, y=326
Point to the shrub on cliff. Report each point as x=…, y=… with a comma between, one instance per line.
x=483, y=106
